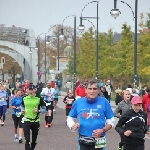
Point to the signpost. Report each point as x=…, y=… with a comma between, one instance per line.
x=38, y=73
x=62, y=63
x=1, y=65
x=3, y=60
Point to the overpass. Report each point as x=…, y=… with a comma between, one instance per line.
x=17, y=43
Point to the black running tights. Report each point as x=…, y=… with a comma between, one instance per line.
x=133, y=147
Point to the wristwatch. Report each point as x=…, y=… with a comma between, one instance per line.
x=104, y=130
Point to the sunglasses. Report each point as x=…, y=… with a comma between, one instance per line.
x=92, y=89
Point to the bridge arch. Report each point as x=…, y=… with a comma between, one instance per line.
x=30, y=67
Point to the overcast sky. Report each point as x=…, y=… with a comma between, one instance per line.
x=39, y=15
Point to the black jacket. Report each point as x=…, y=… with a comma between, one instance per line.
x=137, y=123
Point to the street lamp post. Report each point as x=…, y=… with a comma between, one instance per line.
x=58, y=46
x=58, y=53
x=115, y=13
x=81, y=27
x=38, y=41
x=30, y=52
x=45, y=59
x=74, y=41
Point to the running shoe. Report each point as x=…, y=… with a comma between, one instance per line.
x=2, y=123
x=54, y=110
x=119, y=148
x=46, y=125
x=49, y=125
x=20, y=140
x=16, y=139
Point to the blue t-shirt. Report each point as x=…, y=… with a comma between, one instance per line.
x=3, y=99
x=17, y=103
x=56, y=93
x=91, y=116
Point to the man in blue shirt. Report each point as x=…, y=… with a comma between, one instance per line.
x=95, y=118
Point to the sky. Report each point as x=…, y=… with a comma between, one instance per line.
x=39, y=15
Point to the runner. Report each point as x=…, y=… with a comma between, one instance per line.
x=133, y=125
x=16, y=115
x=56, y=98
x=121, y=108
x=68, y=100
x=48, y=94
x=95, y=118
x=30, y=107
x=3, y=105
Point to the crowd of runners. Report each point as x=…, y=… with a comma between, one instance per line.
x=90, y=103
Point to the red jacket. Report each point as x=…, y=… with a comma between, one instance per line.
x=145, y=102
x=80, y=91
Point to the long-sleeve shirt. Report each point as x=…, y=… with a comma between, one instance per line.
x=136, y=123
x=122, y=107
x=145, y=102
x=80, y=91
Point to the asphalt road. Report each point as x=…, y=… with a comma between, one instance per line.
x=57, y=137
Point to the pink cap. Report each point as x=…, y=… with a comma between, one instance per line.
x=136, y=100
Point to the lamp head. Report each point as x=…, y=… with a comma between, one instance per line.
x=115, y=13
x=61, y=36
x=30, y=52
x=81, y=28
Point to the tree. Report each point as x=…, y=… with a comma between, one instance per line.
x=147, y=23
x=124, y=52
x=86, y=55
x=11, y=67
x=51, y=49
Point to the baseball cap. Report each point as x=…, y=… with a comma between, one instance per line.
x=31, y=87
x=136, y=100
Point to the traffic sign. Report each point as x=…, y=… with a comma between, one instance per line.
x=38, y=73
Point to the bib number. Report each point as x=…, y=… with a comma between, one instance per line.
x=69, y=102
x=47, y=104
x=100, y=142
x=1, y=99
x=18, y=114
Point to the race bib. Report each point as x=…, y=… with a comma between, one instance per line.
x=47, y=104
x=1, y=99
x=100, y=142
x=70, y=101
x=18, y=114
